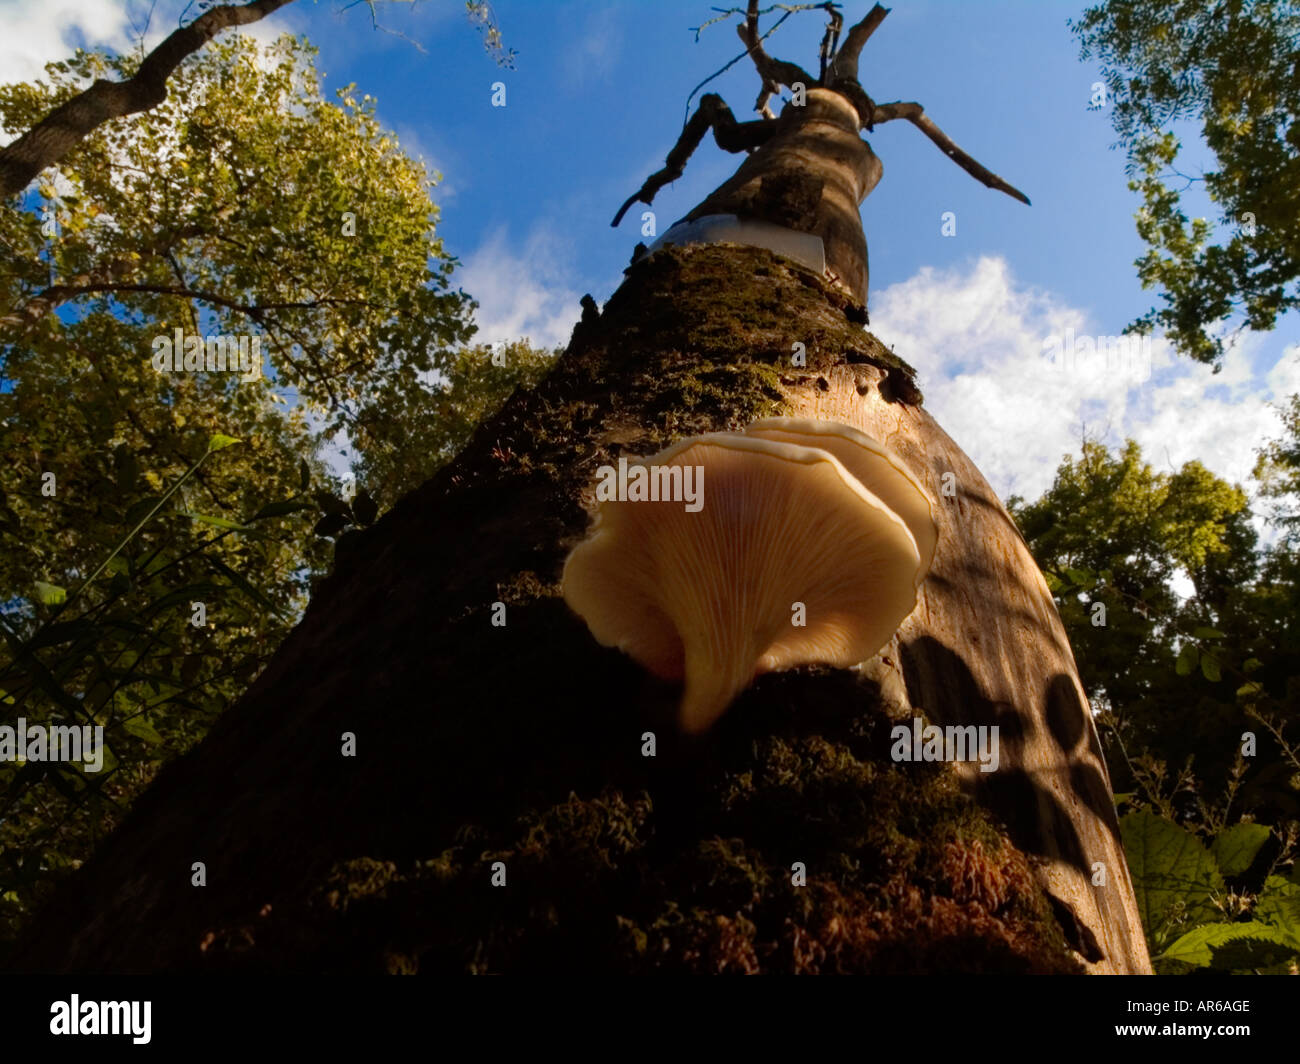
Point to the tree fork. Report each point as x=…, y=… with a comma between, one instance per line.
x=810, y=169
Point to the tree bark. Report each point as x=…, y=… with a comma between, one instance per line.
x=810, y=175
x=523, y=745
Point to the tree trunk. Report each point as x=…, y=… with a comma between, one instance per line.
x=517, y=751
x=810, y=176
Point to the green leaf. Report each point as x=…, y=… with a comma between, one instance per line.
x=1232, y=946
x=365, y=508
x=1207, y=633
x=50, y=594
x=1172, y=872
x=127, y=468
x=1084, y=578
x=220, y=442
x=330, y=525
x=219, y=522
x=1250, y=689
x=60, y=632
x=1235, y=848
x=1210, y=668
x=240, y=581
x=142, y=729
x=332, y=504
x=1279, y=906
x=140, y=510
x=279, y=509
x=1250, y=665
x=1187, y=658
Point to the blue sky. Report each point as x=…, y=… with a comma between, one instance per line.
x=597, y=98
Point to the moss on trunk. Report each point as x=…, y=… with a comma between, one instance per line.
x=522, y=743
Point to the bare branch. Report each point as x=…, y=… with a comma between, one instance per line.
x=23, y=319
x=777, y=71
x=846, y=60
x=63, y=128
x=729, y=134
x=915, y=113
x=769, y=89
x=725, y=13
x=830, y=40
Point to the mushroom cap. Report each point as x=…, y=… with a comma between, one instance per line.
x=874, y=465
x=708, y=597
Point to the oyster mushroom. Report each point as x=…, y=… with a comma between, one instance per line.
x=708, y=597
x=875, y=467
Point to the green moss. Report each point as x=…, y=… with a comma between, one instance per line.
x=525, y=587
x=619, y=863
x=694, y=873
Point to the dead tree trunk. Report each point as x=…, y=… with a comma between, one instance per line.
x=501, y=812
x=523, y=744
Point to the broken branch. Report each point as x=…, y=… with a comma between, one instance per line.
x=730, y=135
x=915, y=113
x=845, y=64
x=774, y=70
x=830, y=40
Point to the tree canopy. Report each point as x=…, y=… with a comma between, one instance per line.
x=1187, y=636
x=161, y=528
x=1233, y=69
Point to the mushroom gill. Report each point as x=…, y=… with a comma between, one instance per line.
x=876, y=469
x=712, y=597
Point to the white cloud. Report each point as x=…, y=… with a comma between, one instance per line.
x=595, y=54
x=39, y=33
x=978, y=340
x=521, y=288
